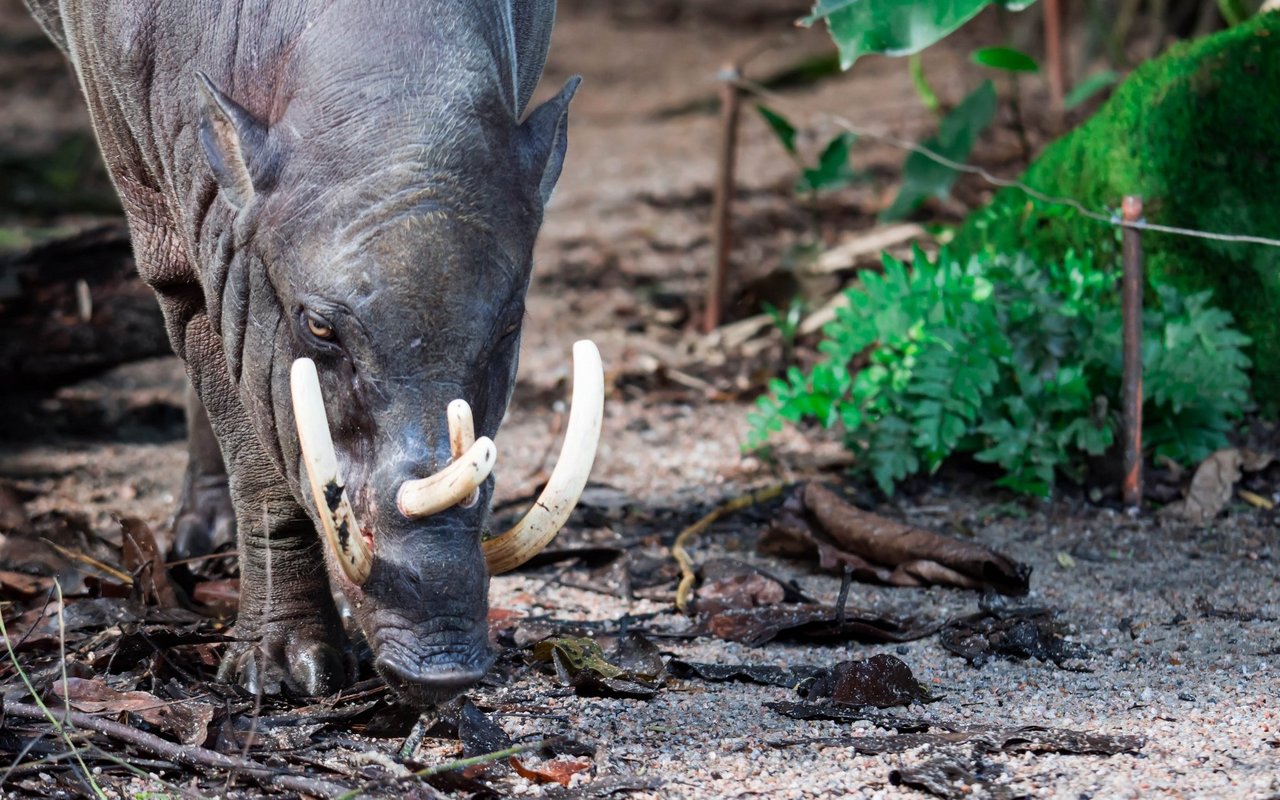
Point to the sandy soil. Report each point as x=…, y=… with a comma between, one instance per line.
x=1181, y=619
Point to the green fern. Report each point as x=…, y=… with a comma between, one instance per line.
x=1012, y=362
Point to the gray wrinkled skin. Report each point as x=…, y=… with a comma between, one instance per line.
x=363, y=162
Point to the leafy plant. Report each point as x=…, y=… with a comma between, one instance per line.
x=1005, y=58
x=897, y=27
x=831, y=172
x=1013, y=363
x=924, y=177
x=787, y=321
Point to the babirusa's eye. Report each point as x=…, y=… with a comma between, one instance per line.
x=318, y=326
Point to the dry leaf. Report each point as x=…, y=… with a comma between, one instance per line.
x=221, y=597
x=1211, y=487
x=880, y=549
x=142, y=559
x=558, y=770
x=188, y=720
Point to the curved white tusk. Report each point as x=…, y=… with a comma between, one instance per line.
x=462, y=429
x=569, y=477
x=327, y=489
x=462, y=434
x=451, y=485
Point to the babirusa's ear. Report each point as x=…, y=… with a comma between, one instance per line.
x=235, y=144
x=546, y=134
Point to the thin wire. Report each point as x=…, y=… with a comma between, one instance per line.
x=995, y=180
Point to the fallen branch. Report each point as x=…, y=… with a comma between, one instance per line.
x=681, y=554
x=186, y=754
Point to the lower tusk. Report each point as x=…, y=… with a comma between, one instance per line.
x=451, y=485
x=582, y=435
x=327, y=489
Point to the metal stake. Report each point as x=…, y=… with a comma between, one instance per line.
x=1131, y=301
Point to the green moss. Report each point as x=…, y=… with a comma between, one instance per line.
x=1195, y=133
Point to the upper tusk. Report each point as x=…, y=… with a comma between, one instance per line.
x=569, y=477
x=462, y=429
x=462, y=434
x=451, y=485
x=327, y=489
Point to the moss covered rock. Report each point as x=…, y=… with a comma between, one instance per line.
x=1195, y=133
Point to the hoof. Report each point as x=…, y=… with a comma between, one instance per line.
x=287, y=657
x=205, y=519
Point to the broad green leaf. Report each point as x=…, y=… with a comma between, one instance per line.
x=1005, y=58
x=1089, y=87
x=922, y=176
x=893, y=27
x=781, y=127
x=833, y=170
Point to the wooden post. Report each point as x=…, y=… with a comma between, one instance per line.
x=721, y=232
x=1131, y=302
x=1053, y=57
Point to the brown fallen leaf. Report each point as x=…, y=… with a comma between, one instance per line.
x=13, y=512
x=559, y=770
x=633, y=668
x=729, y=583
x=809, y=622
x=881, y=681
x=187, y=720
x=21, y=585
x=884, y=550
x=1214, y=481
x=221, y=598
x=142, y=559
x=791, y=535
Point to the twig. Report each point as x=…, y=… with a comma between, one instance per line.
x=678, y=548
x=59, y=727
x=186, y=754
x=88, y=560
x=426, y=719
x=464, y=763
x=41, y=709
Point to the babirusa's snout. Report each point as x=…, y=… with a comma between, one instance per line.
x=321, y=462
x=569, y=477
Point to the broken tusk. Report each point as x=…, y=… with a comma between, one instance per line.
x=327, y=489
x=451, y=485
x=582, y=435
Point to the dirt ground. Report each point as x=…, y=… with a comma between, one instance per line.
x=1180, y=620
